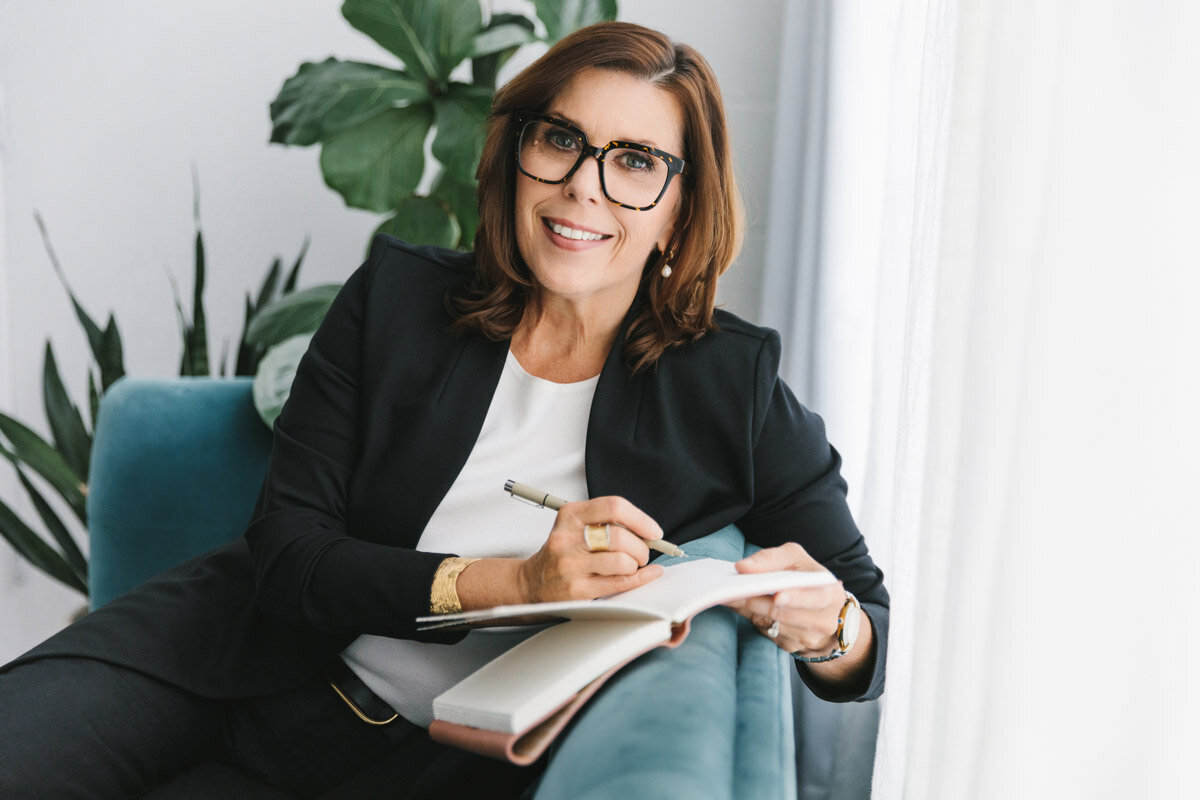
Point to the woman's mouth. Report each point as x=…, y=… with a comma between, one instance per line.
x=571, y=237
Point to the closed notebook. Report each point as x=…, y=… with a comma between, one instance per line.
x=513, y=706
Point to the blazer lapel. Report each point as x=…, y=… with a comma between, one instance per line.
x=613, y=424
x=441, y=434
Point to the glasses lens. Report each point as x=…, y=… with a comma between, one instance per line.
x=634, y=177
x=631, y=176
x=548, y=151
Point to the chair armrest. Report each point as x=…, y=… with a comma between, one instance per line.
x=711, y=718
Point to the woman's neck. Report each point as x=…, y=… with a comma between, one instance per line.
x=559, y=342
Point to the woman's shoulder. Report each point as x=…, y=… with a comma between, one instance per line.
x=395, y=257
x=737, y=359
x=734, y=343
x=734, y=331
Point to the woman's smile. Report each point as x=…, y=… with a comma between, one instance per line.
x=572, y=236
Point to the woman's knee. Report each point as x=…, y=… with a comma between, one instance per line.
x=83, y=728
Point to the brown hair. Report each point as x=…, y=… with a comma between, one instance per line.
x=709, y=227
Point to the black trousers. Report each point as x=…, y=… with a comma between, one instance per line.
x=77, y=728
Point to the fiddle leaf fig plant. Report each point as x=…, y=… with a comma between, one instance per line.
x=374, y=125
x=373, y=122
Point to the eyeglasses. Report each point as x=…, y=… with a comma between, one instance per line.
x=550, y=150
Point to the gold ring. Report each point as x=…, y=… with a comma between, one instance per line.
x=595, y=538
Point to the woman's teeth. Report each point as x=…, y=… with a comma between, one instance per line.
x=571, y=233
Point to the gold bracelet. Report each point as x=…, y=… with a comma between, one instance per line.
x=443, y=596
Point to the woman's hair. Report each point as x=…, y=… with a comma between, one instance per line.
x=708, y=230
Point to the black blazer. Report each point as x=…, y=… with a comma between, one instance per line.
x=384, y=411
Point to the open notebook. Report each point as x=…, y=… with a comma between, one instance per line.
x=513, y=706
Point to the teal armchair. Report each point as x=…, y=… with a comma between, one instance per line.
x=175, y=471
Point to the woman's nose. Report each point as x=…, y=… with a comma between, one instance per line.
x=584, y=184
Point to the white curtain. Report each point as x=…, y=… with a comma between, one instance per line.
x=1006, y=344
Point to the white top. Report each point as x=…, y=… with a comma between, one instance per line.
x=534, y=433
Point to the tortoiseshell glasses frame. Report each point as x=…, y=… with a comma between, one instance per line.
x=674, y=164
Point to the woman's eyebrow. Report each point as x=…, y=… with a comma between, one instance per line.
x=634, y=139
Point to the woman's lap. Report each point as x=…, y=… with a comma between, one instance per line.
x=78, y=728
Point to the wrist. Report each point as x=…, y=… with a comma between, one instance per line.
x=849, y=624
x=853, y=671
x=490, y=582
x=523, y=584
x=443, y=593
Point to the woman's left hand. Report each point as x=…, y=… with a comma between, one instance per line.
x=807, y=616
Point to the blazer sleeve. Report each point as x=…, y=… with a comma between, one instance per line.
x=800, y=495
x=309, y=569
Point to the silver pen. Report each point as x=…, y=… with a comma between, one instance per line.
x=547, y=500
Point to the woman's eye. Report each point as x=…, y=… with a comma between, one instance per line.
x=563, y=140
x=635, y=161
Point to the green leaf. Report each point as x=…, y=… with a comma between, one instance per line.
x=184, y=328
x=460, y=199
x=106, y=348
x=332, y=95
x=289, y=285
x=431, y=38
x=266, y=292
x=109, y=354
x=35, y=550
x=460, y=115
x=197, y=347
x=376, y=164
x=66, y=543
x=66, y=425
x=248, y=355
x=486, y=68
x=498, y=38
x=298, y=313
x=563, y=16
x=422, y=220
x=273, y=382
x=38, y=455
x=93, y=398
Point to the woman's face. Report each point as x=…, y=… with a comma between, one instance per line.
x=580, y=246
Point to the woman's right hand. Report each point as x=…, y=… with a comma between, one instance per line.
x=565, y=569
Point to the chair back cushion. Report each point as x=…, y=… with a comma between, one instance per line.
x=176, y=468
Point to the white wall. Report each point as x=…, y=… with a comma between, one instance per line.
x=105, y=107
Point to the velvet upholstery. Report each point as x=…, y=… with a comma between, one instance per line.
x=176, y=466
x=711, y=718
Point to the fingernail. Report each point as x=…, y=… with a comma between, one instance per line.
x=783, y=600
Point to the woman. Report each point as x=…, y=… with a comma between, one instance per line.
x=577, y=350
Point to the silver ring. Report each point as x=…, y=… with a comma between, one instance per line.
x=773, y=631
x=596, y=538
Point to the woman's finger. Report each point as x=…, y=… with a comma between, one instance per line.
x=620, y=540
x=612, y=563
x=807, y=616
x=604, y=585
x=788, y=555
x=614, y=510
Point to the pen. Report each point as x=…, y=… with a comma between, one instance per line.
x=547, y=500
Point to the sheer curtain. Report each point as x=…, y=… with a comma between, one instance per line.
x=851, y=252
x=1004, y=337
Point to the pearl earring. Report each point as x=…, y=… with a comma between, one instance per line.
x=666, y=270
